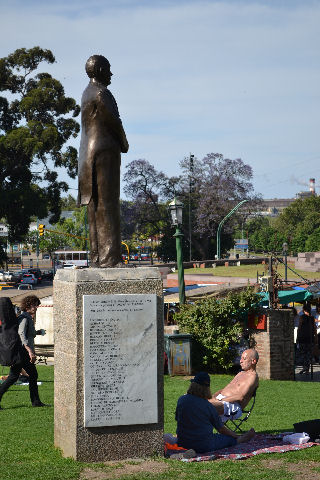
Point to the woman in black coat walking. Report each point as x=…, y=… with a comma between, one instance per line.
x=14, y=354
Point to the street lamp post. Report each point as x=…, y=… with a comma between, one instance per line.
x=37, y=242
x=191, y=182
x=220, y=227
x=285, y=254
x=176, y=220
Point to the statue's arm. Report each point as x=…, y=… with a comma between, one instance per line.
x=115, y=125
x=123, y=139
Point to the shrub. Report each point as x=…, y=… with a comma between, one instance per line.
x=216, y=326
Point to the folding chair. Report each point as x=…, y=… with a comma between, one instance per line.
x=245, y=414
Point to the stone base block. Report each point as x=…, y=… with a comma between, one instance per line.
x=275, y=346
x=101, y=443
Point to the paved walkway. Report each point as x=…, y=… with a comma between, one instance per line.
x=208, y=278
x=43, y=290
x=307, y=378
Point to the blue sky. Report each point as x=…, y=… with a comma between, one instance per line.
x=241, y=78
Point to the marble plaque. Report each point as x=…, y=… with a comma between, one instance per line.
x=120, y=360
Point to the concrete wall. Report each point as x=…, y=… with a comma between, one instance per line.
x=44, y=319
x=308, y=261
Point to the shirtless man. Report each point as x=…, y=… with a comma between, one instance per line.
x=230, y=400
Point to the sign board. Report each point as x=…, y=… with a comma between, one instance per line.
x=3, y=231
x=120, y=360
x=257, y=322
x=241, y=243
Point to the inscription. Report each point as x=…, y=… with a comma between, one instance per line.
x=120, y=360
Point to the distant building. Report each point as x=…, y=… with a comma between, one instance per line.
x=275, y=206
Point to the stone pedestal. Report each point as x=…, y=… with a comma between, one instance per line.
x=108, y=326
x=275, y=346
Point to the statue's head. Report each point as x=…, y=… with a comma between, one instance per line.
x=98, y=67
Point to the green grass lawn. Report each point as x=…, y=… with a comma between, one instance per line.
x=250, y=271
x=27, y=451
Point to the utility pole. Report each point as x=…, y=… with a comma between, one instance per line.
x=191, y=170
x=37, y=242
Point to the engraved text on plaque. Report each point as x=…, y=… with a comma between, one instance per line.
x=120, y=360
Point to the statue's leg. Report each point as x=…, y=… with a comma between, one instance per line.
x=108, y=208
x=91, y=211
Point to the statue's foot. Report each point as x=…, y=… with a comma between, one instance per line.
x=124, y=265
x=112, y=263
x=94, y=265
x=115, y=264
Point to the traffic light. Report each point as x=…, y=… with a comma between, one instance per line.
x=41, y=229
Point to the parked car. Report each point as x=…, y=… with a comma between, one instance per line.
x=6, y=276
x=28, y=278
x=18, y=275
x=37, y=273
x=2, y=276
x=47, y=274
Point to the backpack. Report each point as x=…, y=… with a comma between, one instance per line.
x=11, y=348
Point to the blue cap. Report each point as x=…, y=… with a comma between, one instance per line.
x=202, y=378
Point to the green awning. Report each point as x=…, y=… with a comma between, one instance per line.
x=287, y=296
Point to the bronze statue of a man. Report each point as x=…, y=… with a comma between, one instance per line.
x=102, y=141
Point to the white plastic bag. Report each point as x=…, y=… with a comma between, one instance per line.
x=296, y=438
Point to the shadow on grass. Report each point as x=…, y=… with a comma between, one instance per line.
x=25, y=406
x=275, y=432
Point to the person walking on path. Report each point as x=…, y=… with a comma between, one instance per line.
x=305, y=338
x=15, y=353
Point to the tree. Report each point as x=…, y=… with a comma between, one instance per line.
x=149, y=189
x=216, y=326
x=34, y=128
x=75, y=226
x=68, y=203
x=299, y=223
x=263, y=237
x=3, y=255
x=128, y=220
x=48, y=243
x=312, y=243
x=167, y=248
x=52, y=241
x=218, y=184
